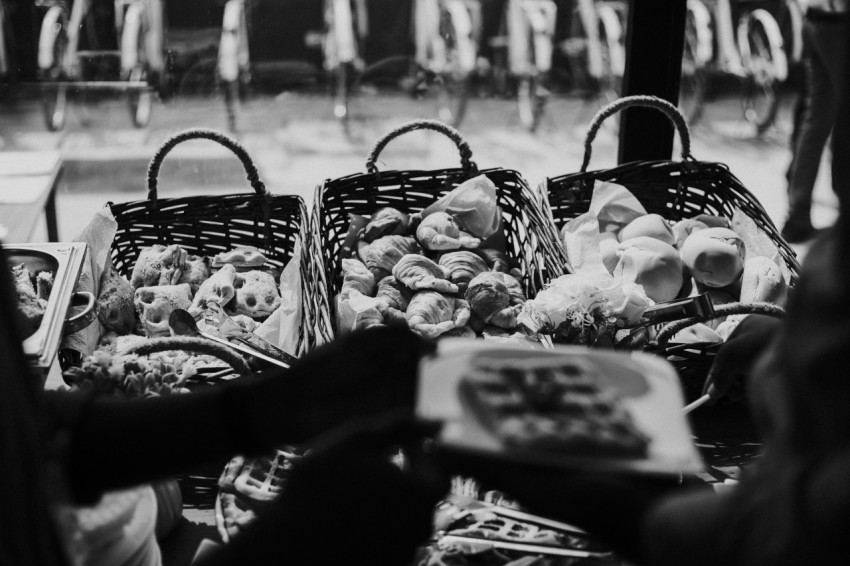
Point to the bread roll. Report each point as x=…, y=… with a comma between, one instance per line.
x=715, y=256
x=696, y=334
x=651, y=225
x=652, y=264
x=684, y=228
x=762, y=281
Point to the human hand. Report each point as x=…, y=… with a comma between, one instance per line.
x=736, y=357
x=345, y=502
x=365, y=373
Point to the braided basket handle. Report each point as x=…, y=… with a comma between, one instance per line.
x=466, y=162
x=192, y=344
x=638, y=101
x=670, y=330
x=207, y=134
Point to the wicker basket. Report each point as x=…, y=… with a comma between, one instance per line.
x=530, y=238
x=207, y=225
x=693, y=361
x=674, y=190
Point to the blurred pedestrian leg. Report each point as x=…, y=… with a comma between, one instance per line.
x=824, y=45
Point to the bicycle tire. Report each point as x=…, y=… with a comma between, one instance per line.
x=762, y=54
x=52, y=45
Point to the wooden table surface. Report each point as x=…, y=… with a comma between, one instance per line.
x=29, y=171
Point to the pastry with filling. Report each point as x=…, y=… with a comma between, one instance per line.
x=496, y=298
x=116, y=302
x=155, y=305
x=219, y=288
x=159, y=265
x=257, y=294
x=550, y=404
x=417, y=272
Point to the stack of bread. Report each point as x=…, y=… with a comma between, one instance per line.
x=702, y=254
x=442, y=272
x=166, y=278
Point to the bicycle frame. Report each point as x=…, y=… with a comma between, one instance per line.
x=464, y=16
x=534, y=20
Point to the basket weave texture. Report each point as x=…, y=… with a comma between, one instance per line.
x=674, y=190
x=530, y=238
x=208, y=225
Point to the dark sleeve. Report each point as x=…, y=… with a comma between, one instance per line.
x=112, y=443
x=689, y=528
x=827, y=497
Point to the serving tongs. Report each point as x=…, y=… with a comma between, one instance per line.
x=215, y=314
x=481, y=544
x=182, y=323
x=699, y=306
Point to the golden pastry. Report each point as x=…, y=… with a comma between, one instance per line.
x=257, y=294
x=158, y=265
x=418, y=272
x=219, y=288
x=431, y=313
x=382, y=254
x=155, y=304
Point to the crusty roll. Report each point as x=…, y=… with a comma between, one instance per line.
x=651, y=225
x=652, y=264
x=696, y=334
x=715, y=256
x=762, y=281
x=683, y=228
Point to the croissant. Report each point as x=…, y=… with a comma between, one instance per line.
x=462, y=266
x=356, y=276
x=382, y=254
x=497, y=260
x=431, y=313
x=387, y=222
x=393, y=298
x=490, y=299
x=418, y=272
x=459, y=332
x=439, y=231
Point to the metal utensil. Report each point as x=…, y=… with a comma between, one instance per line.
x=696, y=404
x=182, y=323
x=233, y=331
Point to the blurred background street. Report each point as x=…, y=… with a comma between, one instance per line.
x=297, y=143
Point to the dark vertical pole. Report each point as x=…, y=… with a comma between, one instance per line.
x=655, y=37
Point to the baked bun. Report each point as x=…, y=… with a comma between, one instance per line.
x=684, y=228
x=654, y=265
x=762, y=281
x=651, y=225
x=715, y=256
x=696, y=334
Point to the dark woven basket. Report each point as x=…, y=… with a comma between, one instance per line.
x=530, y=238
x=693, y=361
x=207, y=225
x=674, y=190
